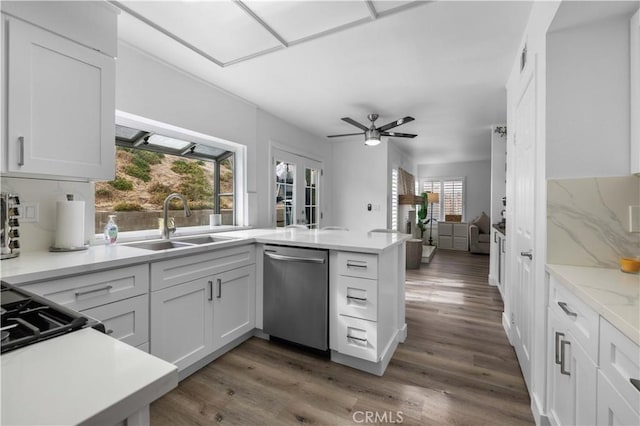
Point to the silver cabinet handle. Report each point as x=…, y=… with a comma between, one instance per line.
x=210, y=298
x=355, y=265
x=566, y=309
x=504, y=243
x=356, y=338
x=559, y=337
x=293, y=258
x=635, y=383
x=20, y=150
x=95, y=290
x=495, y=234
x=359, y=299
x=219, y=288
x=563, y=370
x=526, y=254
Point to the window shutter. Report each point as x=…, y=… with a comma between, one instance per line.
x=453, y=191
x=433, y=186
x=394, y=199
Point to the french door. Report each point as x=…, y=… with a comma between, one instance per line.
x=296, y=190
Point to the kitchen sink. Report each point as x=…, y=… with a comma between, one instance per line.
x=203, y=239
x=160, y=245
x=178, y=242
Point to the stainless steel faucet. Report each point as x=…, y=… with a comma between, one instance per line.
x=166, y=231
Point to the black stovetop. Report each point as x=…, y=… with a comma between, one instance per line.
x=27, y=318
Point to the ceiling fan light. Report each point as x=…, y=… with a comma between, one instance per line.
x=372, y=141
x=371, y=137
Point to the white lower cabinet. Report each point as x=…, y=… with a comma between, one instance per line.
x=234, y=308
x=182, y=322
x=591, y=365
x=127, y=320
x=571, y=377
x=612, y=409
x=201, y=303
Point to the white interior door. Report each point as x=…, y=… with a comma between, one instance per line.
x=296, y=190
x=523, y=215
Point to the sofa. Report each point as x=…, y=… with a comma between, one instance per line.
x=480, y=234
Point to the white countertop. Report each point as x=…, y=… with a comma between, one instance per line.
x=43, y=265
x=615, y=295
x=78, y=377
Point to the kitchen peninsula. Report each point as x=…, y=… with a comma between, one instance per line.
x=113, y=284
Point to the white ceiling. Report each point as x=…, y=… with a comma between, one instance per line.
x=444, y=63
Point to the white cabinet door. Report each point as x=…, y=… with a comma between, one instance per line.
x=234, y=304
x=612, y=409
x=572, y=378
x=182, y=322
x=635, y=92
x=61, y=103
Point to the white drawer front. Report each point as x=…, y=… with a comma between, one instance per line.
x=171, y=272
x=581, y=320
x=620, y=362
x=358, y=265
x=612, y=409
x=460, y=230
x=358, y=338
x=460, y=243
x=358, y=297
x=127, y=319
x=90, y=290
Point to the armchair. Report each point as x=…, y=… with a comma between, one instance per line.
x=480, y=234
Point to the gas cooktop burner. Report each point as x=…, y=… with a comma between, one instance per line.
x=27, y=318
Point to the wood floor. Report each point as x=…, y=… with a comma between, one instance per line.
x=456, y=368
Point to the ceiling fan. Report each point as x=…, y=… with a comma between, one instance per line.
x=372, y=134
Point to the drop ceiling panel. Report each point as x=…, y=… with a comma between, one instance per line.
x=294, y=20
x=386, y=5
x=219, y=28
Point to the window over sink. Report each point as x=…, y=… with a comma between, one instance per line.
x=154, y=160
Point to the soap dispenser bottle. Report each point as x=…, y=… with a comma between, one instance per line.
x=111, y=230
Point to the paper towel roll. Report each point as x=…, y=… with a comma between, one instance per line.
x=69, y=224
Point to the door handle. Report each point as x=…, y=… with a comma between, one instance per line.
x=566, y=310
x=503, y=242
x=495, y=234
x=219, y=295
x=559, y=337
x=20, y=150
x=526, y=254
x=293, y=258
x=563, y=370
x=210, y=298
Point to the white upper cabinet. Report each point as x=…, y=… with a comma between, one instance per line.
x=60, y=105
x=635, y=92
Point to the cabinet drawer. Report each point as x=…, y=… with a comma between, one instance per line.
x=581, y=320
x=612, y=409
x=358, y=297
x=127, y=319
x=358, y=265
x=445, y=229
x=461, y=230
x=620, y=361
x=90, y=290
x=358, y=338
x=445, y=242
x=183, y=269
x=460, y=243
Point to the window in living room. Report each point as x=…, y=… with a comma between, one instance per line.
x=451, y=191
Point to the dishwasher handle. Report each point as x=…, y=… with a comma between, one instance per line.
x=284, y=258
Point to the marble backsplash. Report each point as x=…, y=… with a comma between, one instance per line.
x=588, y=220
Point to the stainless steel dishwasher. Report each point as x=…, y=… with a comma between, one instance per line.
x=296, y=295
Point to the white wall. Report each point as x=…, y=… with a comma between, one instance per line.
x=360, y=177
x=588, y=100
x=477, y=176
x=271, y=129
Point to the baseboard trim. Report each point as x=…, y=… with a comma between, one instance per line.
x=538, y=417
x=506, y=325
x=207, y=359
x=492, y=281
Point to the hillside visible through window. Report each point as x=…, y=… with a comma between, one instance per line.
x=145, y=178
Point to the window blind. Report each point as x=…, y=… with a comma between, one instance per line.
x=451, y=192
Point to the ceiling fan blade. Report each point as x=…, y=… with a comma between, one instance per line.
x=355, y=123
x=398, y=135
x=394, y=124
x=346, y=134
